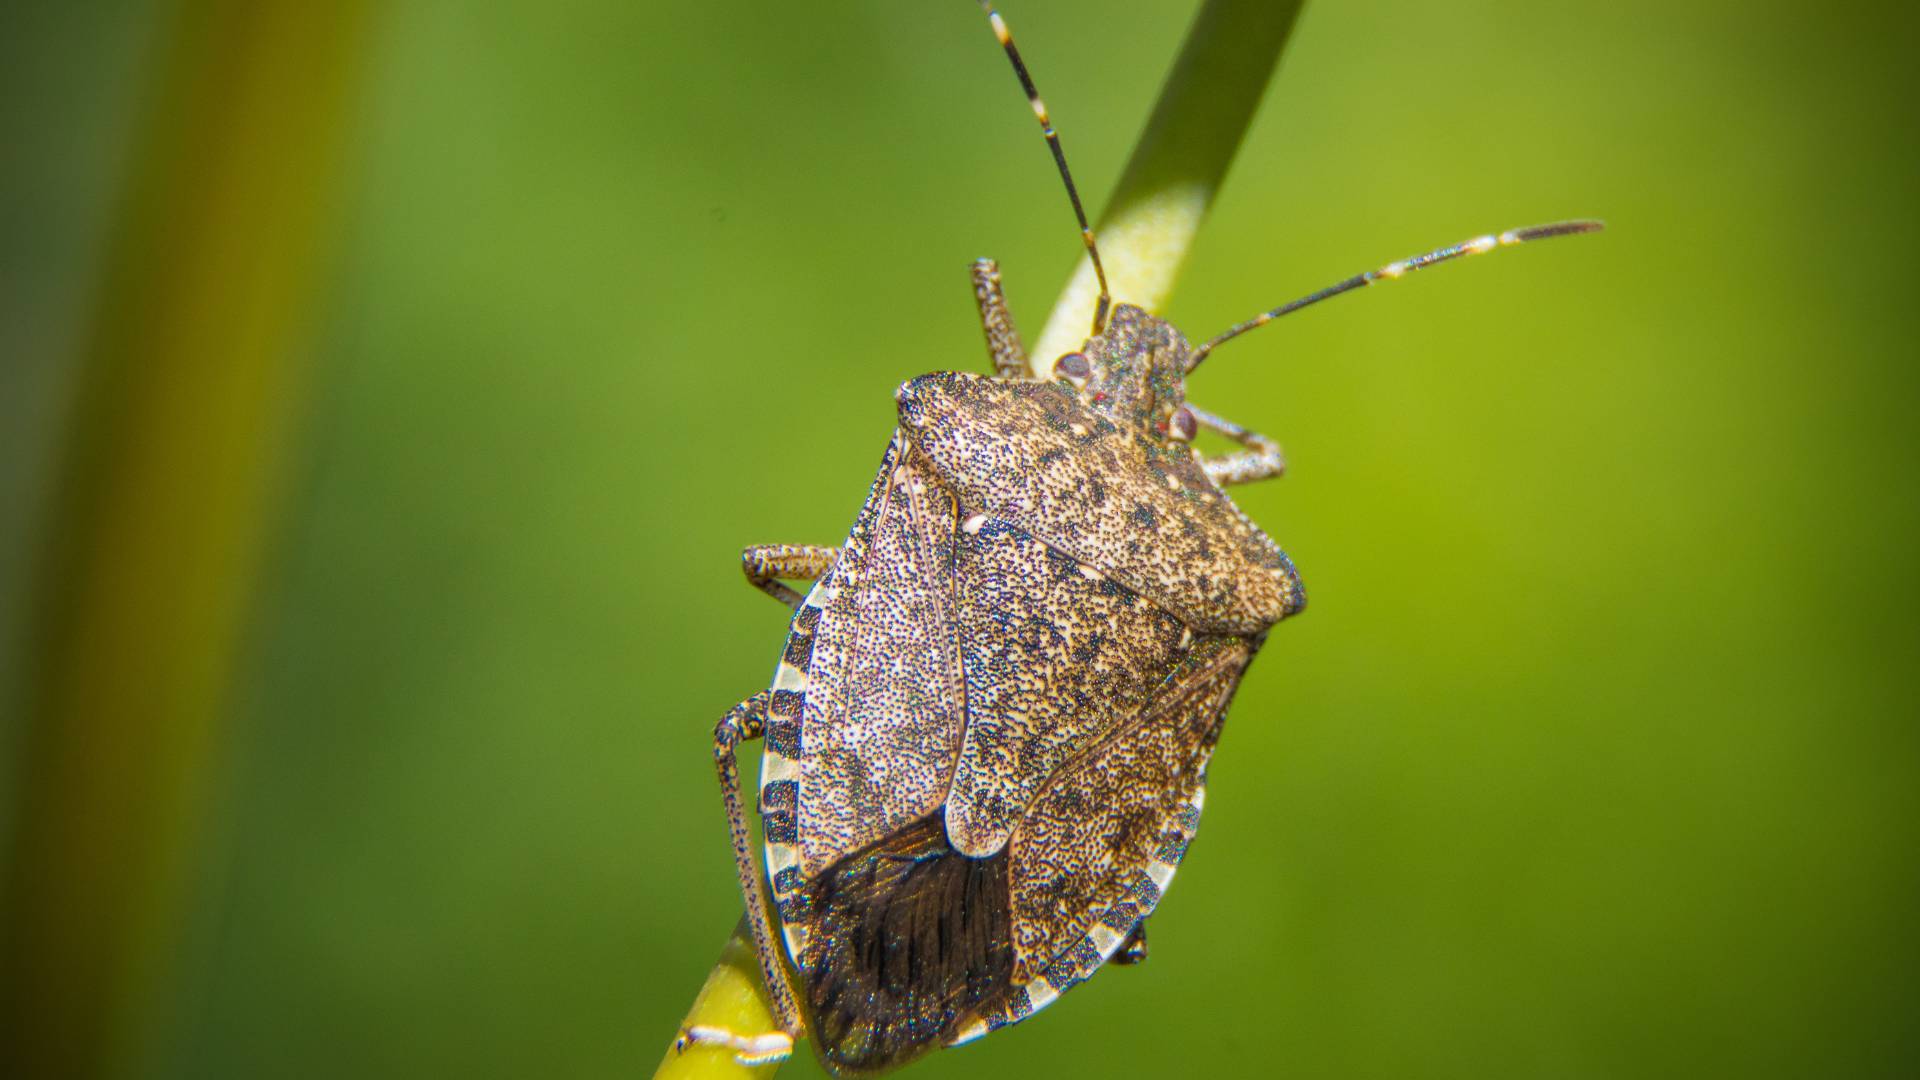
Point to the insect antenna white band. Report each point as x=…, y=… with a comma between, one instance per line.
x=1475, y=246
x=1005, y=36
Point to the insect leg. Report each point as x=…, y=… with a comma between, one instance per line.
x=1134, y=949
x=749, y=1050
x=748, y=720
x=1003, y=341
x=1260, y=460
x=766, y=564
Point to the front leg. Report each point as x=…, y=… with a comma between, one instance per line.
x=1003, y=341
x=1260, y=460
x=766, y=564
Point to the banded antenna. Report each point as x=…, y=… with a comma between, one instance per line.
x=1392, y=270
x=1059, y=158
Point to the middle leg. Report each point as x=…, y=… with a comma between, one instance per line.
x=766, y=564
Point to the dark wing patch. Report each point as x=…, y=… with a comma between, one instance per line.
x=910, y=938
x=1032, y=454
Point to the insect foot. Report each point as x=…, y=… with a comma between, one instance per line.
x=762, y=1049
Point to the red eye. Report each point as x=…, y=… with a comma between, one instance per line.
x=1074, y=365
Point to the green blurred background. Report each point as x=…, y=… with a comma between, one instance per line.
x=410, y=376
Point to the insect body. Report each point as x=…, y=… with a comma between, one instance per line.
x=986, y=740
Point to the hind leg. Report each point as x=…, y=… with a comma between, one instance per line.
x=1134, y=949
x=748, y=720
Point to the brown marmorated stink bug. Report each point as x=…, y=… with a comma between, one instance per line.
x=986, y=742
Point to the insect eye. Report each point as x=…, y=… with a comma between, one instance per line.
x=1182, y=425
x=1074, y=366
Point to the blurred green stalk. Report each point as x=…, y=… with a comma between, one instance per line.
x=151, y=552
x=1204, y=110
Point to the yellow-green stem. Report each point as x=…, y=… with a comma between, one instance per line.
x=735, y=998
x=1204, y=109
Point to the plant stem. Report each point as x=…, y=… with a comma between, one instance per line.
x=1205, y=107
x=734, y=997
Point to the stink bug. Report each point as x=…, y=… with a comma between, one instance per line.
x=986, y=741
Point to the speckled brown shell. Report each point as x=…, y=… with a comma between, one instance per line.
x=1033, y=455
x=988, y=739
